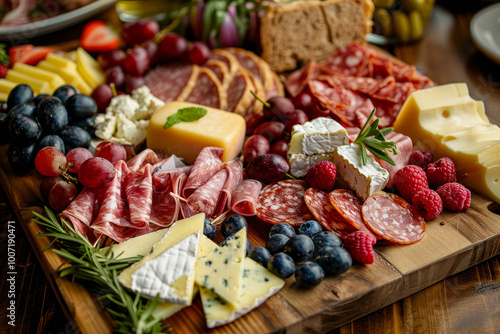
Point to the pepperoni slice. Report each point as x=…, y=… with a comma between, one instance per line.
x=283, y=202
x=318, y=202
x=392, y=218
x=348, y=205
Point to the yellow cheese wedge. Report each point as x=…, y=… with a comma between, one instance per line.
x=89, y=69
x=54, y=80
x=186, y=139
x=4, y=97
x=60, y=61
x=486, y=181
x=38, y=86
x=6, y=86
x=69, y=74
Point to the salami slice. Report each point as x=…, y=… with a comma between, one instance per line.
x=283, y=202
x=393, y=219
x=298, y=80
x=206, y=197
x=220, y=70
x=348, y=205
x=139, y=191
x=208, y=91
x=239, y=98
x=79, y=212
x=227, y=58
x=173, y=81
x=244, y=199
x=318, y=202
x=207, y=163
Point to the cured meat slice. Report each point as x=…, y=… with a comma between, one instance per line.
x=227, y=58
x=351, y=59
x=208, y=162
x=239, y=98
x=139, y=191
x=208, y=91
x=348, y=205
x=115, y=232
x=147, y=156
x=276, y=88
x=234, y=176
x=393, y=219
x=173, y=81
x=256, y=106
x=171, y=162
x=405, y=148
x=298, y=80
x=206, y=197
x=244, y=198
x=249, y=61
x=80, y=212
x=318, y=202
x=283, y=202
x=221, y=70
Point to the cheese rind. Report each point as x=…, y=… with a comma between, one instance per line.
x=364, y=180
x=217, y=128
x=300, y=163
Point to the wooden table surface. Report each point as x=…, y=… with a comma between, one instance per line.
x=468, y=302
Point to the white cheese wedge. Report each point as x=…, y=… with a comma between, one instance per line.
x=221, y=270
x=364, y=180
x=321, y=135
x=178, y=267
x=258, y=284
x=300, y=163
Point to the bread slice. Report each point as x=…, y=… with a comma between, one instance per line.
x=295, y=33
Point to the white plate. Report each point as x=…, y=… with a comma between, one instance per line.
x=31, y=30
x=485, y=31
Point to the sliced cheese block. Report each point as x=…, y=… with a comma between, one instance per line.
x=4, y=97
x=138, y=246
x=186, y=139
x=364, y=180
x=221, y=270
x=258, y=284
x=38, y=86
x=165, y=310
x=89, y=69
x=300, y=163
x=486, y=181
x=6, y=86
x=180, y=246
x=69, y=74
x=54, y=80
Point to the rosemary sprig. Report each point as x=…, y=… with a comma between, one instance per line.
x=372, y=139
x=87, y=264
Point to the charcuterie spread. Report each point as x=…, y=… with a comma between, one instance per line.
x=149, y=154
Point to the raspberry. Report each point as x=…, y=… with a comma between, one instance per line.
x=441, y=172
x=359, y=245
x=322, y=175
x=3, y=71
x=409, y=180
x=420, y=158
x=428, y=203
x=455, y=196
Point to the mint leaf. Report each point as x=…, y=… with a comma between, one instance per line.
x=189, y=114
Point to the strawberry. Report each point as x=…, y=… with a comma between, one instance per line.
x=98, y=37
x=3, y=71
x=322, y=175
x=359, y=245
x=28, y=54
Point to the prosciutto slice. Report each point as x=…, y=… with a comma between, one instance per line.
x=208, y=162
x=79, y=212
x=206, y=197
x=244, y=198
x=235, y=175
x=147, y=156
x=139, y=191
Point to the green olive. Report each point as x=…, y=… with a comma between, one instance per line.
x=411, y=5
x=416, y=25
x=382, y=22
x=383, y=3
x=401, y=26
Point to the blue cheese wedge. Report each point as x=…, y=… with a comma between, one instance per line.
x=312, y=142
x=221, y=270
x=258, y=284
x=364, y=180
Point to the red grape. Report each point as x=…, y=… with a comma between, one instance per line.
x=133, y=82
x=297, y=117
x=317, y=111
x=115, y=75
x=172, y=46
x=280, y=148
x=303, y=101
x=111, y=58
x=61, y=195
x=255, y=146
x=47, y=184
x=137, y=61
x=76, y=157
x=102, y=95
x=140, y=31
x=152, y=50
x=111, y=151
x=96, y=173
x=253, y=121
x=50, y=161
x=272, y=130
x=198, y=53
x=279, y=108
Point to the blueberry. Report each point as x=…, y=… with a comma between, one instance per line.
x=300, y=248
x=281, y=265
x=232, y=224
x=310, y=228
x=282, y=228
x=276, y=243
x=260, y=254
x=335, y=261
x=309, y=274
x=326, y=238
x=224, y=242
x=209, y=229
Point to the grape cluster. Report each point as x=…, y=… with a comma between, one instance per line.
x=34, y=122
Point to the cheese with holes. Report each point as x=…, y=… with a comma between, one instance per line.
x=364, y=180
x=169, y=270
x=221, y=270
x=186, y=139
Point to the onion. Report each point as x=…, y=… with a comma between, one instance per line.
x=198, y=21
x=229, y=31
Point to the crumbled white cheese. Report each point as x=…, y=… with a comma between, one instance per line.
x=148, y=103
x=105, y=125
x=129, y=130
x=123, y=105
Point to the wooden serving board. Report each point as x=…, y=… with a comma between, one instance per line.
x=453, y=243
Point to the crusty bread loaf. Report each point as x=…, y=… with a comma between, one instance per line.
x=294, y=33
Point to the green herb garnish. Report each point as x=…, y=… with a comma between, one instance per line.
x=99, y=270
x=372, y=139
x=4, y=57
x=189, y=114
